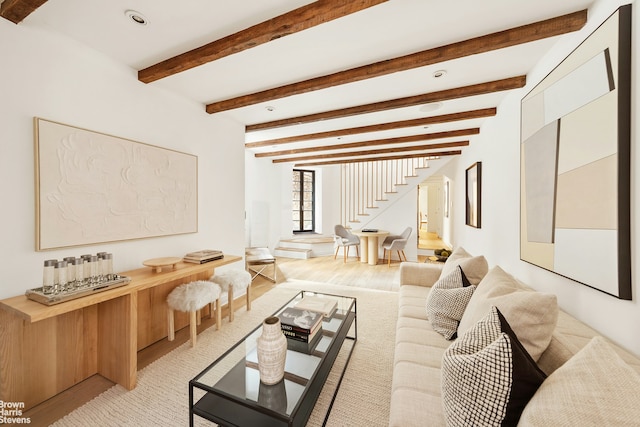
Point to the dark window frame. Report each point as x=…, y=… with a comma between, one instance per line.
x=299, y=174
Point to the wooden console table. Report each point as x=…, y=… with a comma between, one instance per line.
x=47, y=349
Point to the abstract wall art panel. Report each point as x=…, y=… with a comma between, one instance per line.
x=575, y=163
x=96, y=188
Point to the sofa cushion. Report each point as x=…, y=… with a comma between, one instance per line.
x=532, y=315
x=474, y=267
x=595, y=387
x=487, y=375
x=447, y=301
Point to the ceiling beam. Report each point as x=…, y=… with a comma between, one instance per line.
x=373, y=159
x=502, y=39
x=397, y=140
x=426, y=98
x=445, y=118
x=371, y=152
x=16, y=10
x=300, y=19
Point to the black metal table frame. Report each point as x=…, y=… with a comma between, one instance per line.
x=311, y=393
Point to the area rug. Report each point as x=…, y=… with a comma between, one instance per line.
x=161, y=397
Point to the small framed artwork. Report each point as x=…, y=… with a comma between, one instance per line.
x=473, y=180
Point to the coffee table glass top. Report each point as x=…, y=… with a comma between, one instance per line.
x=235, y=377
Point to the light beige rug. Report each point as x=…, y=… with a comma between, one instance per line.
x=161, y=397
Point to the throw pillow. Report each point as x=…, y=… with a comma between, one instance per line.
x=446, y=302
x=532, y=315
x=595, y=388
x=474, y=267
x=487, y=375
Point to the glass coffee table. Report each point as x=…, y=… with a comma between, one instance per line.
x=229, y=392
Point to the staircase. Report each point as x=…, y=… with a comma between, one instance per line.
x=368, y=188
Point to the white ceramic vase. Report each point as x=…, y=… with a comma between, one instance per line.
x=272, y=351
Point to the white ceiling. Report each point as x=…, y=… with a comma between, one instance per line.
x=385, y=31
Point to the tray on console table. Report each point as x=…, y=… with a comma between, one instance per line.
x=37, y=295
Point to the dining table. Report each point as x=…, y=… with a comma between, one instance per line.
x=369, y=244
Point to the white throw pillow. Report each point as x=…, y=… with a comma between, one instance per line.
x=447, y=301
x=593, y=388
x=532, y=315
x=487, y=376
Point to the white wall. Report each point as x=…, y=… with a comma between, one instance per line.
x=269, y=184
x=45, y=75
x=498, y=148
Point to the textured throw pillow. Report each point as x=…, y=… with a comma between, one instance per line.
x=593, y=388
x=532, y=315
x=487, y=375
x=474, y=267
x=446, y=302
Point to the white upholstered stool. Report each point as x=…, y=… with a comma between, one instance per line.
x=191, y=298
x=234, y=281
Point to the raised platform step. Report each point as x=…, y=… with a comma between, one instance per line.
x=304, y=247
x=292, y=253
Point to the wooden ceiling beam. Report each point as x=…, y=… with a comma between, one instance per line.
x=387, y=141
x=300, y=19
x=445, y=118
x=426, y=98
x=499, y=40
x=372, y=152
x=16, y=10
x=373, y=159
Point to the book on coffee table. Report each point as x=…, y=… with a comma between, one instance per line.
x=304, y=322
x=325, y=306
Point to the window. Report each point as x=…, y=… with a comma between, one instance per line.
x=303, y=201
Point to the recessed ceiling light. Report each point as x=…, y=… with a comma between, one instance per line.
x=433, y=106
x=136, y=17
x=439, y=73
x=270, y=108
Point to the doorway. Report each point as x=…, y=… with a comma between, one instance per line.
x=431, y=210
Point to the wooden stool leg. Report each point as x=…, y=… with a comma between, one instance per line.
x=218, y=314
x=249, y=297
x=230, y=303
x=198, y=317
x=170, y=326
x=192, y=327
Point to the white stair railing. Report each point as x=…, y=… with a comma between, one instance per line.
x=363, y=185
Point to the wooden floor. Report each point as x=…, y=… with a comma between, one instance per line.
x=321, y=269
x=429, y=240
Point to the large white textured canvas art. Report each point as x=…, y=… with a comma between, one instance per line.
x=575, y=163
x=96, y=188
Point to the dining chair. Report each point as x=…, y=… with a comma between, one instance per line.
x=396, y=243
x=344, y=239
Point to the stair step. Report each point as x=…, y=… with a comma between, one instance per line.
x=311, y=240
x=292, y=253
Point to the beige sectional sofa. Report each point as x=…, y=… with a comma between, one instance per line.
x=569, y=397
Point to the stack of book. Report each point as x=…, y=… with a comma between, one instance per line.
x=302, y=328
x=205, y=255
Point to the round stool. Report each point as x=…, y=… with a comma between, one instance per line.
x=190, y=298
x=234, y=281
